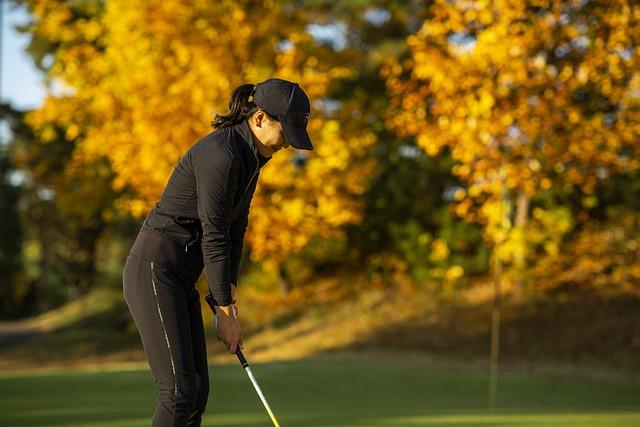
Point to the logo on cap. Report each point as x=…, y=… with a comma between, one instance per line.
x=300, y=118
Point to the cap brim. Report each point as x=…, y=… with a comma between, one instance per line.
x=296, y=136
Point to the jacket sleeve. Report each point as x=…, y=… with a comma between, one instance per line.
x=216, y=174
x=238, y=228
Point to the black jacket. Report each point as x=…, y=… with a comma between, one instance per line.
x=206, y=203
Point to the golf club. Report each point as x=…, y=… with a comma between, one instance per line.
x=245, y=365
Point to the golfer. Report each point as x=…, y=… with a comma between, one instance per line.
x=199, y=223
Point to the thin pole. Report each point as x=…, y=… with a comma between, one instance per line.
x=495, y=315
x=495, y=336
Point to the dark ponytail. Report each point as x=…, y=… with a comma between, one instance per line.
x=240, y=107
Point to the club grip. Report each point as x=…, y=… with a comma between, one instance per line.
x=209, y=299
x=241, y=358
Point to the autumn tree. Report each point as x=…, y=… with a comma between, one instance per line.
x=142, y=81
x=528, y=97
x=405, y=227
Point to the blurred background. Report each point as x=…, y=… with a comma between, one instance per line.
x=464, y=239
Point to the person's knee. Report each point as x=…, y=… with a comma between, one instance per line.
x=182, y=393
x=188, y=391
x=166, y=393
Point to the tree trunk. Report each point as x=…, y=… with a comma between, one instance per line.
x=520, y=262
x=283, y=280
x=495, y=335
x=82, y=261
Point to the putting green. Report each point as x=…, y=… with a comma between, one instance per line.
x=325, y=393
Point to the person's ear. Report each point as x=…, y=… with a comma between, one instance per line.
x=259, y=118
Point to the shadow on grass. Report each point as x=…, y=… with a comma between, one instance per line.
x=104, y=332
x=582, y=328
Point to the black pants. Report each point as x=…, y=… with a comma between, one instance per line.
x=159, y=289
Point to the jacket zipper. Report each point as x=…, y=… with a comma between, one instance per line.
x=253, y=148
x=254, y=173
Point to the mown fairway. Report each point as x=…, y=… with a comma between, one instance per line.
x=325, y=393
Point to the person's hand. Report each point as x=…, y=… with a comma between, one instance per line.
x=228, y=327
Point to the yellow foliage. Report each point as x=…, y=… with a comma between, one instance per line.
x=145, y=78
x=439, y=250
x=517, y=95
x=454, y=272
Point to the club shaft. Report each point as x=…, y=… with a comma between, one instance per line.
x=264, y=401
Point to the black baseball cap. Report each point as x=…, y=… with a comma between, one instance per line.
x=287, y=102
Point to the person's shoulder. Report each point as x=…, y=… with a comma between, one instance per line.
x=216, y=138
x=216, y=147
x=217, y=142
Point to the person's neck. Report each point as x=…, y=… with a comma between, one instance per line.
x=262, y=149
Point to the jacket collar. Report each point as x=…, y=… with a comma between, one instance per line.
x=245, y=133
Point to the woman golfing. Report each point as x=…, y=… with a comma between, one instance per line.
x=199, y=223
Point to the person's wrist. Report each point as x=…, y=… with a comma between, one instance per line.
x=226, y=309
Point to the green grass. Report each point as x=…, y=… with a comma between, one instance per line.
x=326, y=392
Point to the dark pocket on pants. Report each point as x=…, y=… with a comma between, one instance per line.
x=165, y=275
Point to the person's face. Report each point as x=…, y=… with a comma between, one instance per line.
x=269, y=132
